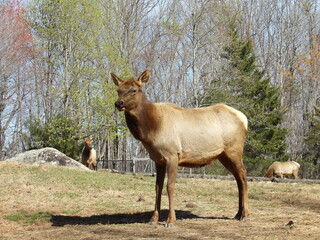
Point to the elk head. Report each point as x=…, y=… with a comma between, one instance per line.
x=129, y=91
x=88, y=143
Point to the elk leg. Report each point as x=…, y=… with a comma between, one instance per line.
x=172, y=175
x=236, y=167
x=161, y=171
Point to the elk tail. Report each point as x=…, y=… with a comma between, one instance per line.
x=269, y=172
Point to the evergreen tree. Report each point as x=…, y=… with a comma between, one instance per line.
x=313, y=139
x=244, y=87
x=61, y=133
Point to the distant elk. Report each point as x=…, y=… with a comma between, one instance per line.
x=175, y=136
x=88, y=155
x=283, y=169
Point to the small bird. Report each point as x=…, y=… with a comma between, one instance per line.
x=291, y=223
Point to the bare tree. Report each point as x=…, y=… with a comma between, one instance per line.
x=15, y=52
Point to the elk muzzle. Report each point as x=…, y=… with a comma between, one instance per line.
x=119, y=104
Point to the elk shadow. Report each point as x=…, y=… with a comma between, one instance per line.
x=121, y=218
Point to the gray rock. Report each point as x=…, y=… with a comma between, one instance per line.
x=50, y=156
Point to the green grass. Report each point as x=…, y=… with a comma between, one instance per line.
x=28, y=218
x=68, y=192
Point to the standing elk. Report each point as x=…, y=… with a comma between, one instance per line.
x=283, y=169
x=88, y=155
x=174, y=136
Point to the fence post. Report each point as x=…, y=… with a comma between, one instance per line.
x=134, y=165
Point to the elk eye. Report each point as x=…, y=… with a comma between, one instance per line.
x=134, y=91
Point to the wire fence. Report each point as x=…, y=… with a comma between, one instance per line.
x=147, y=166
x=135, y=165
x=140, y=165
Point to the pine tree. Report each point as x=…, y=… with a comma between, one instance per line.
x=313, y=138
x=61, y=133
x=245, y=88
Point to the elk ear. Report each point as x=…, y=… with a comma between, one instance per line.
x=116, y=79
x=144, y=77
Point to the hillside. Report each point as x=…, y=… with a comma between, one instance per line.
x=50, y=202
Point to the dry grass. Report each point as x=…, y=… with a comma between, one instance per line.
x=45, y=202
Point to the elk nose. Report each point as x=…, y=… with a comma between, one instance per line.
x=119, y=104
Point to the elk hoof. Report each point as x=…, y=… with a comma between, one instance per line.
x=240, y=218
x=168, y=225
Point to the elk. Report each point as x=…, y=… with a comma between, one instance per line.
x=175, y=136
x=283, y=169
x=88, y=155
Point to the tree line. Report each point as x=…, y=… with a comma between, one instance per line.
x=261, y=57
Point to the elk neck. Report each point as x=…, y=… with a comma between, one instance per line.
x=142, y=120
x=86, y=151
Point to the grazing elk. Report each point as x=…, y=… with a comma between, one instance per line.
x=175, y=136
x=283, y=169
x=88, y=155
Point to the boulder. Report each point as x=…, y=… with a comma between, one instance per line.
x=50, y=156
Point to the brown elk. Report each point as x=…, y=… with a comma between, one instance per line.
x=283, y=169
x=88, y=155
x=174, y=136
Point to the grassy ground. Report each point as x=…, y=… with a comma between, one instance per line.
x=45, y=202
